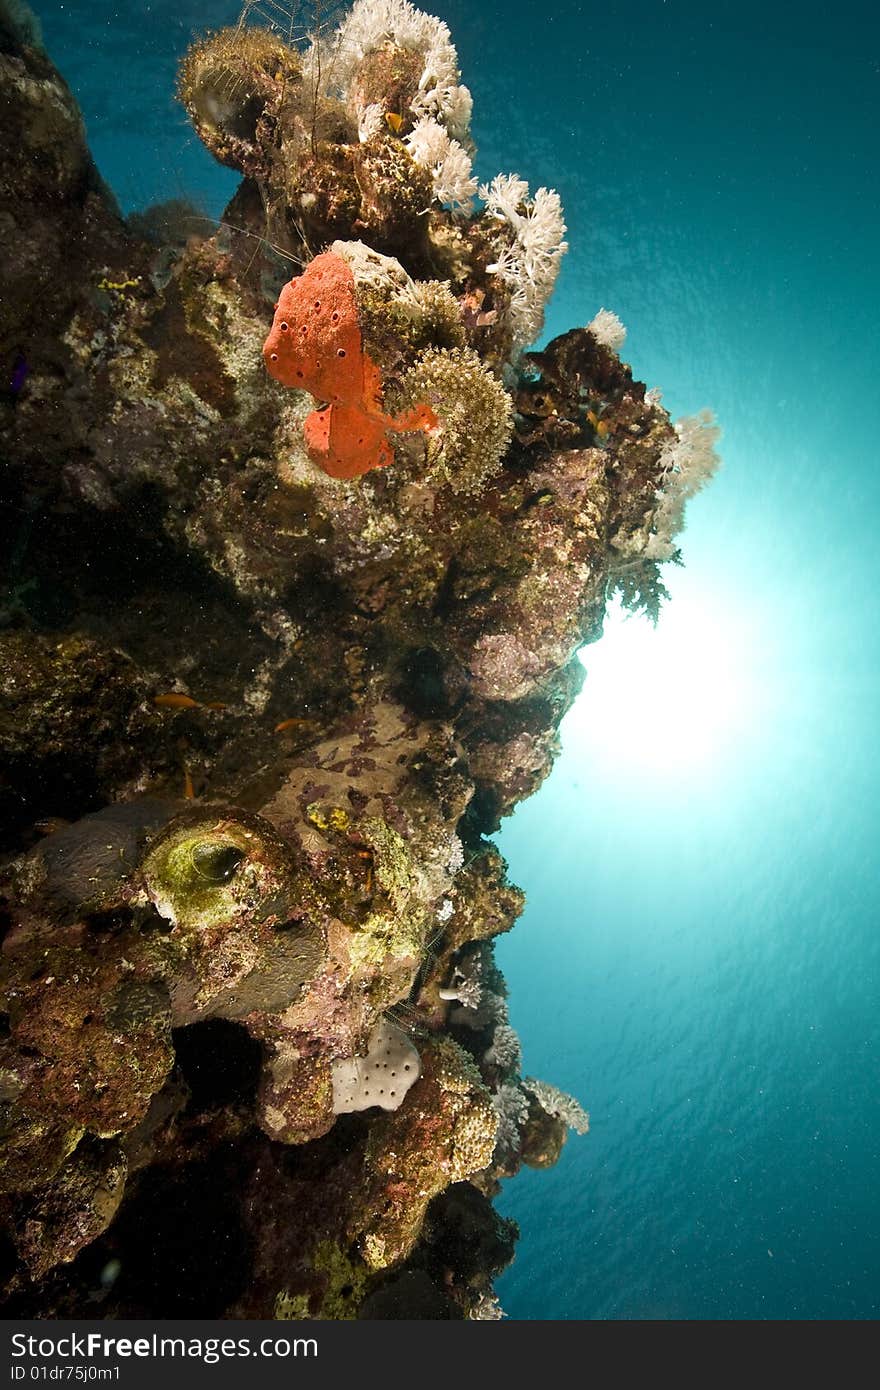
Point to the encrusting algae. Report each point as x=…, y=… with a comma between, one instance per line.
x=376, y=531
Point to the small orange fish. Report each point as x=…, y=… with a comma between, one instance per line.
x=176, y=699
x=395, y=121
x=367, y=856
x=601, y=427
x=189, y=790
x=293, y=724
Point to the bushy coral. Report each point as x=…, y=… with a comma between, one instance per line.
x=687, y=463
x=474, y=413
x=559, y=1103
x=512, y=1109
x=608, y=330
x=506, y=1050
x=453, y=183
x=531, y=247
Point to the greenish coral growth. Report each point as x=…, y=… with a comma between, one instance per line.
x=475, y=414
x=426, y=316
x=190, y=876
x=397, y=930
x=344, y=1279
x=214, y=869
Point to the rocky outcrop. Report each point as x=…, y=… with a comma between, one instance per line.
x=258, y=720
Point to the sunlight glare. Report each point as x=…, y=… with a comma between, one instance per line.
x=676, y=699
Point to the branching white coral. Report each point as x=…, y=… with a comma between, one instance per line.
x=608, y=330
x=467, y=985
x=692, y=457
x=464, y=991
x=488, y=1309
x=504, y=196
x=687, y=464
x=474, y=988
x=373, y=23
x=370, y=121
x=529, y=263
x=431, y=145
x=505, y=1051
x=559, y=1103
x=512, y=1110
x=445, y=911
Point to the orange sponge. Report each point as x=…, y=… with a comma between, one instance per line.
x=316, y=345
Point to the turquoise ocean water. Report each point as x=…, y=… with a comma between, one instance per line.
x=699, y=958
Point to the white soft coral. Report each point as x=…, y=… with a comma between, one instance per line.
x=529, y=262
x=687, y=463
x=608, y=330
x=452, y=178
x=441, y=107
x=373, y=23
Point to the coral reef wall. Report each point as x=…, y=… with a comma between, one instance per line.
x=299, y=548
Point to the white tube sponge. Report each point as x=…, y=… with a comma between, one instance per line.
x=381, y=1078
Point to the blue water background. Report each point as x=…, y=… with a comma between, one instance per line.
x=698, y=961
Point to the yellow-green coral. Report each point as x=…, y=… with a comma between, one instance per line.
x=474, y=410
x=398, y=930
x=345, y=1280
x=291, y=1307
x=392, y=859
x=328, y=817
x=439, y=313
x=225, y=82
x=424, y=315
x=212, y=869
